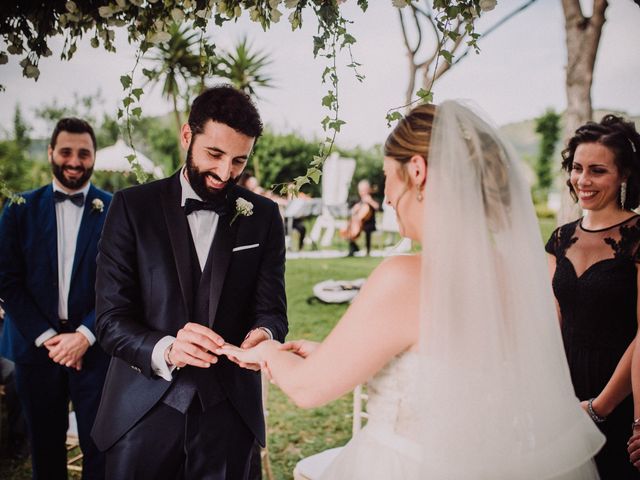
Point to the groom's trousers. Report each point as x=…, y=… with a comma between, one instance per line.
x=168, y=445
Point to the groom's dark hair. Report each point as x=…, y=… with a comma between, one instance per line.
x=225, y=104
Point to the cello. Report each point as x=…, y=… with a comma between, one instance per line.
x=360, y=213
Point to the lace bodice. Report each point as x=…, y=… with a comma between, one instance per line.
x=584, y=248
x=393, y=397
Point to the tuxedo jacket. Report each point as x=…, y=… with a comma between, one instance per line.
x=29, y=272
x=145, y=291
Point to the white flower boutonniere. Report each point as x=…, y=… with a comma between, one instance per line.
x=243, y=207
x=97, y=205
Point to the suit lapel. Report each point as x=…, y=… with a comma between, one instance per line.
x=221, y=250
x=88, y=224
x=49, y=231
x=178, y=229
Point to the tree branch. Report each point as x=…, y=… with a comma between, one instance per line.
x=404, y=32
x=436, y=32
x=498, y=24
x=572, y=11
x=599, y=7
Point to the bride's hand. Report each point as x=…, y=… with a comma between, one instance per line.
x=249, y=358
x=303, y=348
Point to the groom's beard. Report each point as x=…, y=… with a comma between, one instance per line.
x=198, y=181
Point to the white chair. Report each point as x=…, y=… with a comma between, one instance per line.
x=264, y=452
x=312, y=467
x=336, y=179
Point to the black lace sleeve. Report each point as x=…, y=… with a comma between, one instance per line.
x=552, y=244
x=630, y=240
x=636, y=254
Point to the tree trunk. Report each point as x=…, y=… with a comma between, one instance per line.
x=176, y=114
x=412, y=83
x=582, y=40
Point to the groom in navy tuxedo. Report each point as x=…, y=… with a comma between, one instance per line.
x=48, y=248
x=186, y=264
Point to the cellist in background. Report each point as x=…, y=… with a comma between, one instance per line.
x=363, y=219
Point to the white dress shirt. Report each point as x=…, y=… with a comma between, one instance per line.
x=203, y=224
x=68, y=218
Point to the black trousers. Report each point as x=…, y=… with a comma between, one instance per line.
x=167, y=445
x=44, y=391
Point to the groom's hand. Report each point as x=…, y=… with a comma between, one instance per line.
x=253, y=338
x=193, y=346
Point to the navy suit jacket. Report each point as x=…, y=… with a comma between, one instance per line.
x=29, y=272
x=145, y=291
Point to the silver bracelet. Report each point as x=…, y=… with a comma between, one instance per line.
x=592, y=413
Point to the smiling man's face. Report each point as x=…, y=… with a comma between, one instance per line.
x=215, y=158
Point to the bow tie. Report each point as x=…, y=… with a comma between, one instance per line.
x=193, y=205
x=77, y=198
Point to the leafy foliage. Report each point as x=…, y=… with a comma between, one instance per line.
x=277, y=159
x=16, y=165
x=548, y=126
x=177, y=63
x=244, y=67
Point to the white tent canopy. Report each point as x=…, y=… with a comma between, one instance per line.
x=114, y=159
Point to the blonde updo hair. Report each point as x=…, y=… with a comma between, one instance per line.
x=411, y=136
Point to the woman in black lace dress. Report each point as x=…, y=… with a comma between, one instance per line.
x=594, y=266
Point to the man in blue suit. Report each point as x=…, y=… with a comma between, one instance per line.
x=48, y=248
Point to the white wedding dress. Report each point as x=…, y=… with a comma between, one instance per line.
x=386, y=448
x=489, y=395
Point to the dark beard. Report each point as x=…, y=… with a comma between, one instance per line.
x=198, y=181
x=58, y=173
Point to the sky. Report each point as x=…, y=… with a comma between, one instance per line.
x=518, y=74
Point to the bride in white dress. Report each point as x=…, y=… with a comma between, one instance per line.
x=467, y=378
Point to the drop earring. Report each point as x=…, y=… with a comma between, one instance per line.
x=419, y=197
x=623, y=194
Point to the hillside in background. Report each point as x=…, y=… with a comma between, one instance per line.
x=525, y=140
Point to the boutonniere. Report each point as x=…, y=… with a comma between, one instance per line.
x=243, y=207
x=97, y=205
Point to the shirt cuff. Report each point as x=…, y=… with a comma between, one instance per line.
x=91, y=338
x=43, y=337
x=267, y=331
x=158, y=364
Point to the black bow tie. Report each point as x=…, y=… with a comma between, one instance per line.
x=192, y=205
x=77, y=198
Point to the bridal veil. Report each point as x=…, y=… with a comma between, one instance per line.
x=496, y=396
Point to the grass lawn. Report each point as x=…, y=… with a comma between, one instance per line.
x=295, y=433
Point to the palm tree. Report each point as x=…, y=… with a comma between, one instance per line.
x=178, y=65
x=244, y=68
